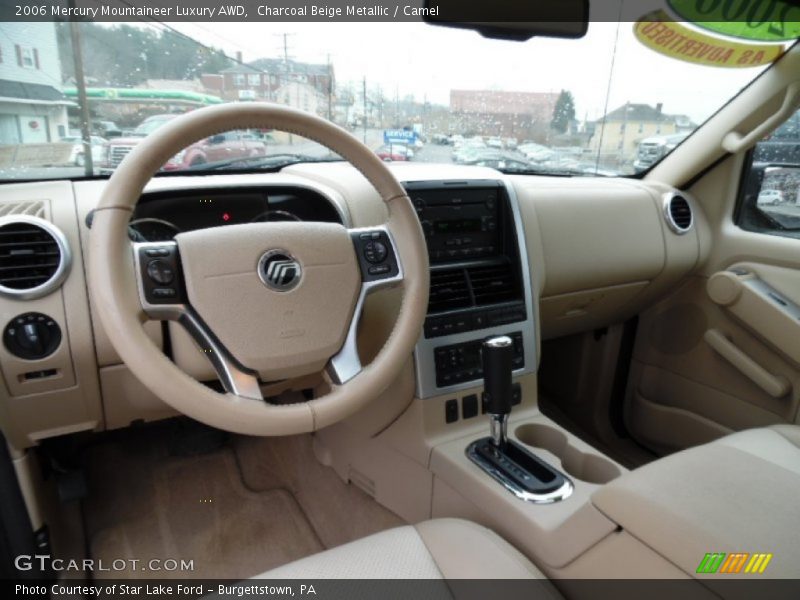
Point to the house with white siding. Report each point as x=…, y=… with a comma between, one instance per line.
x=32, y=107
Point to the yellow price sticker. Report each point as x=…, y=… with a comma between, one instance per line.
x=661, y=34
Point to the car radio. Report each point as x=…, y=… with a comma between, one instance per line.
x=460, y=224
x=479, y=280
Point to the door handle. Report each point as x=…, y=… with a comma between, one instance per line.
x=776, y=386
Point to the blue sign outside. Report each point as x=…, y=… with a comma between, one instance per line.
x=399, y=136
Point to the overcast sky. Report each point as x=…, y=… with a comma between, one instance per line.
x=429, y=61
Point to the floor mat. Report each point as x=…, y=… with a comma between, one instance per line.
x=338, y=512
x=147, y=506
x=236, y=506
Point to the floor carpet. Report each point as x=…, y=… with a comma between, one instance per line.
x=235, y=508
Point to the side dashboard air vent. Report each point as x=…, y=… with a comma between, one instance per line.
x=678, y=213
x=449, y=291
x=34, y=257
x=493, y=284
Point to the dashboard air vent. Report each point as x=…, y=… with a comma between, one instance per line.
x=34, y=257
x=449, y=291
x=678, y=213
x=493, y=284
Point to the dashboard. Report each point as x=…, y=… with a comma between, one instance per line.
x=531, y=257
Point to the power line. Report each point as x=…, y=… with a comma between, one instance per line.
x=151, y=21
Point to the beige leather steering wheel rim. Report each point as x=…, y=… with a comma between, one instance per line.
x=114, y=287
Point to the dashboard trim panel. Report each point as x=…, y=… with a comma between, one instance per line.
x=424, y=360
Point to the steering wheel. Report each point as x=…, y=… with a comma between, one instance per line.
x=264, y=301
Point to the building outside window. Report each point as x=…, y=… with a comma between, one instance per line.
x=28, y=58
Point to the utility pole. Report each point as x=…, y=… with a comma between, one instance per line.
x=424, y=113
x=364, y=86
x=330, y=89
x=624, y=129
x=285, y=37
x=397, y=107
x=80, y=83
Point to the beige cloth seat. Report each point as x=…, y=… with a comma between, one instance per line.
x=437, y=549
x=736, y=494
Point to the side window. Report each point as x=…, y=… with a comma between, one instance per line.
x=770, y=198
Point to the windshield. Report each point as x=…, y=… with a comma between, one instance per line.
x=609, y=104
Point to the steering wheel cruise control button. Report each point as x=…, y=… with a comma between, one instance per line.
x=160, y=271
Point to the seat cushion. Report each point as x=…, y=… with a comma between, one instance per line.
x=737, y=494
x=437, y=549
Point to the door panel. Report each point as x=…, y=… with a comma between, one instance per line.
x=682, y=391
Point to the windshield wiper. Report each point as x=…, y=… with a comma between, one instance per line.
x=542, y=171
x=270, y=162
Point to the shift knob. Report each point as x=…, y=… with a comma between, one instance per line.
x=498, y=353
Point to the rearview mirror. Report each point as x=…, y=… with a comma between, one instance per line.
x=512, y=19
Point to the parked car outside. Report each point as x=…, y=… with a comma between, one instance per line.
x=536, y=152
x=224, y=146
x=107, y=129
x=653, y=149
x=506, y=164
x=395, y=152
x=770, y=197
x=466, y=149
x=494, y=142
x=77, y=154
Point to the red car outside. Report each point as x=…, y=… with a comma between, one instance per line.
x=394, y=152
x=223, y=146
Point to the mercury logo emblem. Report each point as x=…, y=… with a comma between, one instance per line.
x=279, y=271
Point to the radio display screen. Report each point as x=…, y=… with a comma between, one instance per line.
x=457, y=226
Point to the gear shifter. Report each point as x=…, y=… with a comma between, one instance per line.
x=497, y=355
x=515, y=467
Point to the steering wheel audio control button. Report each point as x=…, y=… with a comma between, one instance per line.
x=376, y=255
x=160, y=272
x=160, y=279
x=375, y=252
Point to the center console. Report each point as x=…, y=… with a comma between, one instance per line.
x=480, y=281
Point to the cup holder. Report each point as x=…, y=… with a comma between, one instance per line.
x=591, y=468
